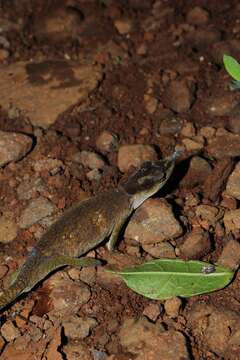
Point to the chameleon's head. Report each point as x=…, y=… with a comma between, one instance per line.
x=149, y=178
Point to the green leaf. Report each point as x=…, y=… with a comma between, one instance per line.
x=232, y=67
x=166, y=278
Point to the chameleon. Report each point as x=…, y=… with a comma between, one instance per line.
x=85, y=225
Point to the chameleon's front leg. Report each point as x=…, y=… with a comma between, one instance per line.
x=116, y=229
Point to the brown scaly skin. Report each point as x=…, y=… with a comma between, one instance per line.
x=86, y=225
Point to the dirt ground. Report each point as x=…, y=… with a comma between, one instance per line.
x=81, y=83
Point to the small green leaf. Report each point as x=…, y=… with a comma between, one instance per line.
x=166, y=278
x=232, y=67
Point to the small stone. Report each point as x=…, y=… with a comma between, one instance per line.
x=147, y=340
x=36, y=210
x=207, y=132
x=220, y=105
x=58, y=24
x=135, y=155
x=215, y=181
x=51, y=165
x=233, y=184
x=234, y=121
x=188, y=130
x=53, y=93
x=152, y=311
x=72, y=351
x=201, y=38
x=197, y=172
x=142, y=49
x=228, y=202
x=9, y=331
x=170, y=124
x=107, y=142
x=225, y=146
x=230, y=256
x=77, y=327
x=232, y=220
x=179, y=96
x=153, y=222
x=213, y=327
x=4, y=54
x=191, y=145
x=94, y=175
x=28, y=188
x=88, y=275
x=66, y=294
x=150, y=103
x=160, y=250
x=8, y=228
x=89, y=159
x=197, y=16
x=208, y=213
x=13, y=147
x=123, y=26
x=196, y=245
x=172, y=307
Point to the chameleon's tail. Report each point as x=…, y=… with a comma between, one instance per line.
x=10, y=294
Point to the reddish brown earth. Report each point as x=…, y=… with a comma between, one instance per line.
x=150, y=73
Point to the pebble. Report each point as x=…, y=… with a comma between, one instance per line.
x=58, y=24
x=9, y=332
x=89, y=159
x=233, y=183
x=4, y=54
x=76, y=327
x=188, y=130
x=13, y=147
x=197, y=16
x=160, y=250
x=201, y=38
x=28, y=188
x=66, y=294
x=153, y=222
x=36, y=210
x=196, y=244
x=107, y=142
x=135, y=155
x=172, y=307
x=152, y=311
x=171, y=124
x=215, y=182
x=76, y=351
x=146, y=340
x=123, y=26
x=231, y=220
x=150, y=103
x=208, y=213
x=207, y=132
x=8, y=228
x=94, y=175
x=230, y=256
x=220, y=105
x=227, y=145
x=192, y=145
x=179, y=96
x=20, y=82
x=234, y=120
x=51, y=165
x=214, y=328
x=197, y=172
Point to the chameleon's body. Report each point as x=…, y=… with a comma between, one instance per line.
x=86, y=225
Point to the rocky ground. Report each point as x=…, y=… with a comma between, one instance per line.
x=90, y=90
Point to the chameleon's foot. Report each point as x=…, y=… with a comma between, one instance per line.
x=235, y=85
